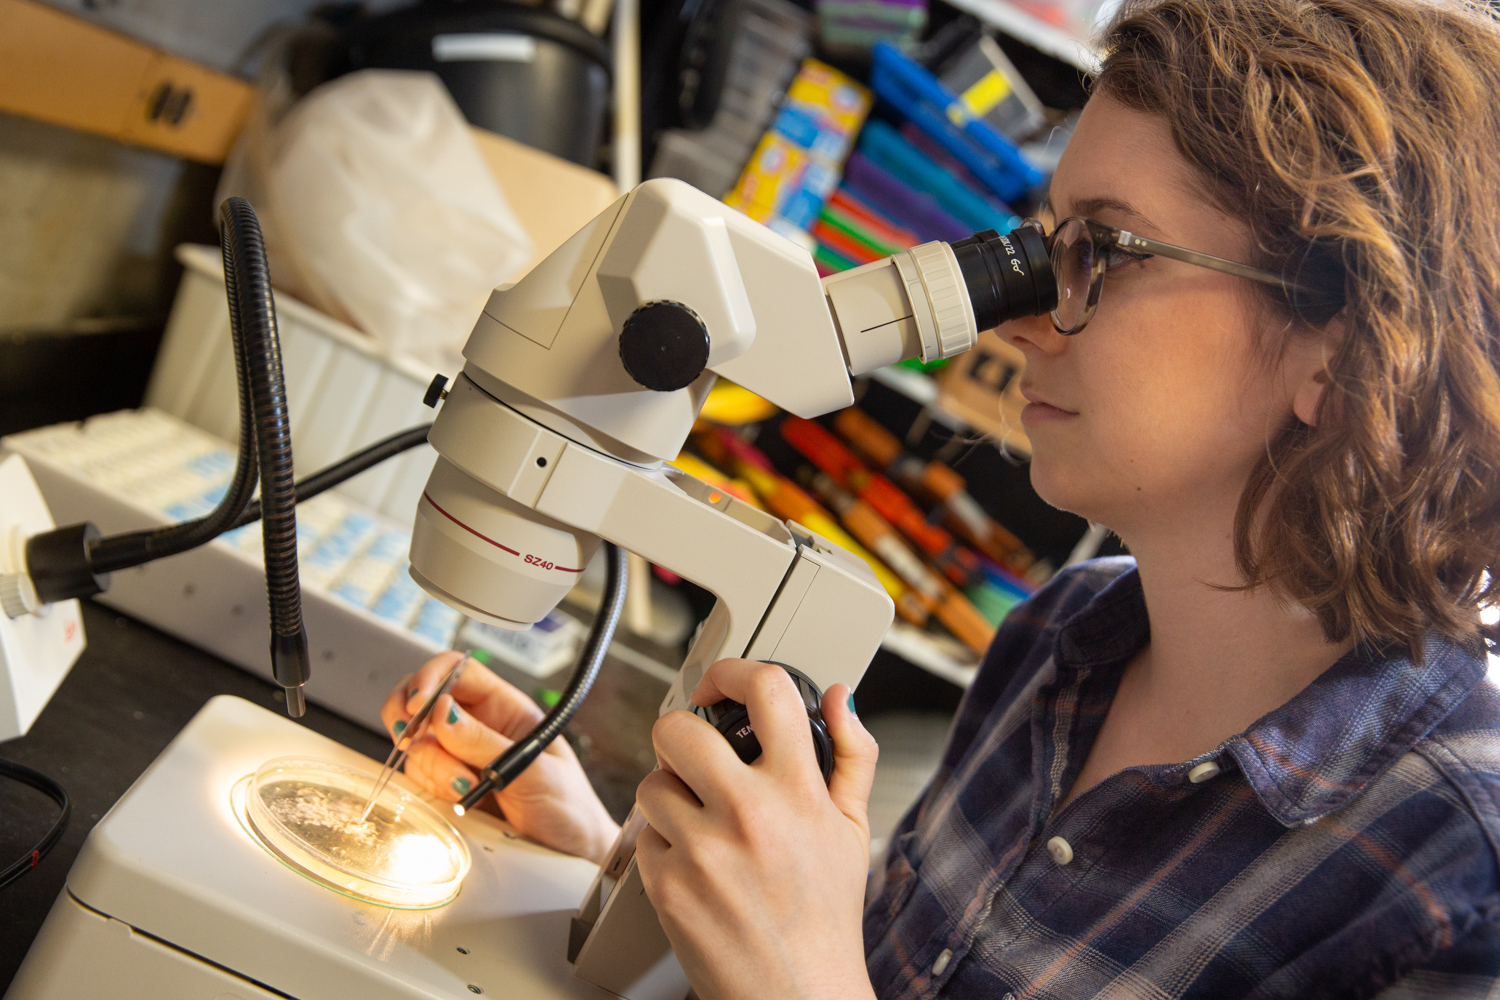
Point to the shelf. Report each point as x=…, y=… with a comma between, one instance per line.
x=1047, y=38
x=946, y=658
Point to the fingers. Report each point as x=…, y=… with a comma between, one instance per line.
x=668, y=804
x=464, y=736
x=436, y=771
x=408, y=697
x=854, y=754
x=393, y=713
x=776, y=711
x=491, y=700
x=696, y=752
x=455, y=747
x=430, y=677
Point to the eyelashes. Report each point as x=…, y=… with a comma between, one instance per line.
x=1117, y=257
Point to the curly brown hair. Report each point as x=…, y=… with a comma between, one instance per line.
x=1360, y=140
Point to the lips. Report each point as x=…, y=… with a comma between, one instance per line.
x=1037, y=399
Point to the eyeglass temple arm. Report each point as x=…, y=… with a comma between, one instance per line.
x=1133, y=242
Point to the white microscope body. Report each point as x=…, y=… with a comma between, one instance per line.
x=550, y=440
x=583, y=379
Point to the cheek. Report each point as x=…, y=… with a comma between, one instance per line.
x=1172, y=410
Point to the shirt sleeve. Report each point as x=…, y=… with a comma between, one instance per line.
x=1468, y=970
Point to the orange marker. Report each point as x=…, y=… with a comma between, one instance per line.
x=829, y=454
x=952, y=608
x=961, y=511
x=788, y=501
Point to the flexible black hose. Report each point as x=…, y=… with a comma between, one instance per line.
x=508, y=766
x=246, y=258
x=347, y=468
x=55, y=792
x=117, y=552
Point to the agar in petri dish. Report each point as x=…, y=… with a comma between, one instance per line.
x=305, y=812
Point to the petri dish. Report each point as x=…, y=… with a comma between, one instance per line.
x=305, y=812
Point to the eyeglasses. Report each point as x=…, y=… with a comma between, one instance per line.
x=1081, y=252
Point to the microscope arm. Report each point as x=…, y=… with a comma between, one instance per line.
x=783, y=594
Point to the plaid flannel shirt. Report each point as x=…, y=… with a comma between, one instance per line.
x=1345, y=847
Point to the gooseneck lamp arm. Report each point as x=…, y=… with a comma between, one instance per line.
x=74, y=561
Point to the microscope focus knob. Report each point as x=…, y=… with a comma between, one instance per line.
x=664, y=346
x=733, y=720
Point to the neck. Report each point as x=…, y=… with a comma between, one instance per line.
x=1218, y=659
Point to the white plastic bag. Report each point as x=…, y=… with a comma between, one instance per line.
x=379, y=210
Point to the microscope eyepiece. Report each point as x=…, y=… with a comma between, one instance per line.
x=1007, y=276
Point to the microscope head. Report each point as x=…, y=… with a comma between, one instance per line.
x=610, y=343
x=609, y=346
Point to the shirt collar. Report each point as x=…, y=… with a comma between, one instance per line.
x=1314, y=754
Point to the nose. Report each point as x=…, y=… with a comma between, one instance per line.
x=1035, y=336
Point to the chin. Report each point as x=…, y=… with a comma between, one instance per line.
x=1067, y=487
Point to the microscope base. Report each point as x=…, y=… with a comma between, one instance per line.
x=170, y=898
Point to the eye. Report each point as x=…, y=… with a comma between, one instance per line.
x=1116, y=257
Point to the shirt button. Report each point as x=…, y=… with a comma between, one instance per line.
x=1061, y=850
x=1204, y=771
x=942, y=962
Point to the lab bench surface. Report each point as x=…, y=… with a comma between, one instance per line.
x=134, y=688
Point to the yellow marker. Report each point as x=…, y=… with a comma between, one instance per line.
x=984, y=96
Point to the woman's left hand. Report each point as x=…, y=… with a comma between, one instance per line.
x=758, y=870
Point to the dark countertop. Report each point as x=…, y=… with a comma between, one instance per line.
x=134, y=688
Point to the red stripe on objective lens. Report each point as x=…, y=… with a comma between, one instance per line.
x=487, y=538
x=470, y=530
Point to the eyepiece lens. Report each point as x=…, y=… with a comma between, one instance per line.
x=1073, y=263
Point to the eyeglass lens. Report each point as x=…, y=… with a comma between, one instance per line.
x=1073, y=266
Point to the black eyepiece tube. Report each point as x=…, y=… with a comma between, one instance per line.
x=1007, y=276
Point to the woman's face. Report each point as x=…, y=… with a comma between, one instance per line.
x=1156, y=412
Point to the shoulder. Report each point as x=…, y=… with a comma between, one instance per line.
x=1431, y=822
x=1463, y=751
x=1020, y=657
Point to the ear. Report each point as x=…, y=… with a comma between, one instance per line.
x=1307, y=367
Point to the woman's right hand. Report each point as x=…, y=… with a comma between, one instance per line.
x=551, y=802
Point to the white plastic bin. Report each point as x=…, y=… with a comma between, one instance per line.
x=342, y=391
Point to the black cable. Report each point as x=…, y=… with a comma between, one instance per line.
x=508, y=766
x=55, y=792
x=344, y=469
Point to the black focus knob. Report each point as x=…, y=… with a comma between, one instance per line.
x=664, y=346
x=733, y=720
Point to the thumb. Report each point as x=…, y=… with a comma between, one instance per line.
x=854, y=755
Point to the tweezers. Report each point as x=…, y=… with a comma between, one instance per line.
x=397, y=755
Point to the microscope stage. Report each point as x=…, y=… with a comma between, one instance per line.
x=173, y=862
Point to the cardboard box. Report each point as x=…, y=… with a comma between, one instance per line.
x=61, y=69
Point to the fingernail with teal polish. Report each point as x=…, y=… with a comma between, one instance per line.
x=452, y=715
x=462, y=785
x=412, y=693
x=851, y=704
x=399, y=727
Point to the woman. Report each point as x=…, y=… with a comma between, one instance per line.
x=1259, y=758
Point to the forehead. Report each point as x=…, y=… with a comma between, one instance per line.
x=1119, y=156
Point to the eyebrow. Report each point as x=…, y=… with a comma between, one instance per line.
x=1090, y=207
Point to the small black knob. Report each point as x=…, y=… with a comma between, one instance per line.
x=664, y=346
x=435, y=390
